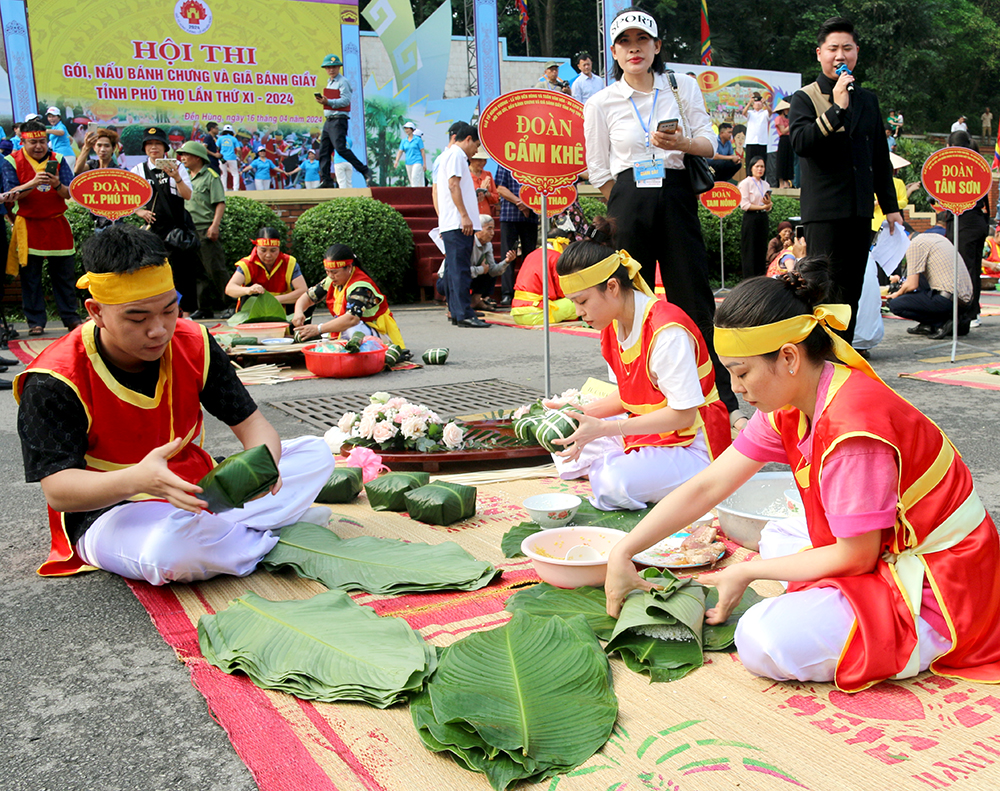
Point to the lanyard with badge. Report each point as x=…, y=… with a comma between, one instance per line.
x=647, y=171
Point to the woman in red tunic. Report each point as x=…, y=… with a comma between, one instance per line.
x=893, y=569
x=267, y=269
x=673, y=422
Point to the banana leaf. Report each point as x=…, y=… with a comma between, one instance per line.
x=344, y=485
x=441, y=503
x=528, y=700
x=260, y=307
x=546, y=600
x=238, y=479
x=386, y=492
x=376, y=565
x=722, y=636
x=325, y=648
x=510, y=544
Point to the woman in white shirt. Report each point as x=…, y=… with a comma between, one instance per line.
x=758, y=129
x=637, y=163
x=755, y=201
x=674, y=422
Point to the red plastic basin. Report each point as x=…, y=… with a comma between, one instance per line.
x=344, y=366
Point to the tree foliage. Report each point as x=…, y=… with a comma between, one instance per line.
x=932, y=60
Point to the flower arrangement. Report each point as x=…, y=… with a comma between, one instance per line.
x=391, y=423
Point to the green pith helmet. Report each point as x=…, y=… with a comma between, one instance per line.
x=331, y=60
x=196, y=148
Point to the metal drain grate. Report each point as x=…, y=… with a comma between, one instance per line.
x=448, y=400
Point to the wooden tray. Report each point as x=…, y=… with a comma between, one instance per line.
x=468, y=460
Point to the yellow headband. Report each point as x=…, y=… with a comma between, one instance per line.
x=598, y=273
x=267, y=242
x=337, y=264
x=114, y=288
x=755, y=341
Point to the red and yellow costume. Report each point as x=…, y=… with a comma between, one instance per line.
x=277, y=279
x=941, y=527
x=40, y=225
x=526, y=308
x=942, y=535
x=124, y=426
x=378, y=317
x=640, y=396
x=991, y=257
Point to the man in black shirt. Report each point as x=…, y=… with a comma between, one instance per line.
x=111, y=425
x=836, y=129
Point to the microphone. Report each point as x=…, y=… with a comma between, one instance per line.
x=842, y=69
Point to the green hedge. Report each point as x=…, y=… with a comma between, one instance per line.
x=376, y=232
x=240, y=223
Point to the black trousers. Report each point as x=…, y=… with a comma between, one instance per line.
x=846, y=243
x=924, y=305
x=334, y=138
x=753, y=243
x=661, y=226
x=510, y=234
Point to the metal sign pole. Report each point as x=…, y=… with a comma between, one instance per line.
x=545, y=292
x=721, y=291
x=954, y=294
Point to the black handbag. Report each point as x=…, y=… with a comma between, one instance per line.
x=180, y=238
x=699, y=175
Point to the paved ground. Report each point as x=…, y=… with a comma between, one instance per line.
x=92, y=698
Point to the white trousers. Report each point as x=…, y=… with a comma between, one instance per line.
x=415, y=173
x=800, y=636
x=312, y=185
x=158, y=543
x=627, y=481
x=262, y=184
x=344, y=173
x=230, y=169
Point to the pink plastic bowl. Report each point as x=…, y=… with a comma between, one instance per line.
x=558, y=541
x=344, y=366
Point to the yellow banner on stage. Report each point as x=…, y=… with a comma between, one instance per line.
x=250, y=63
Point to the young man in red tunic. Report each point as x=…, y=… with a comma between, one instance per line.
x=37, y=180
x=674, y=423
x=893, y=570
x=110, y=422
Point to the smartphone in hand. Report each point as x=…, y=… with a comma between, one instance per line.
x=669, y=126
x=52, y=167
x=159, y=163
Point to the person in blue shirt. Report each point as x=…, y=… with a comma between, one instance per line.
x=228, y=147
x=416, y=159
x=310, y=170
x=15, y=137
x=59, y=139
x=262, y=168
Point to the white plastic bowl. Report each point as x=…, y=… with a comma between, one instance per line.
x=552, y=510
x=547, y=550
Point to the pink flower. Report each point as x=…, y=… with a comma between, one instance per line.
x=384, y=432
x=396, y=403
x=413, y=427
x=370, y=463
x=367, y=425
x=452, y=436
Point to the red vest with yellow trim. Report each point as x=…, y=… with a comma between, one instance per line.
x=336, y=297
x=640, y=396
x=124, y=426
x=36, y=204
x=277, y=280
x=528, y=288
x=933, y=483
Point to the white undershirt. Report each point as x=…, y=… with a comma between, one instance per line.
x=455, y=162
x=672, y=363
x=757, y=122
x=613, y=132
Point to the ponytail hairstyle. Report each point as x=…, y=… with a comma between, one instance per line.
x=596, y=245
x=765, y=300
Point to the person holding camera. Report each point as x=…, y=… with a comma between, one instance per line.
x=166, y=216
x=550, y=80
x=638, y=131
x=37, y=180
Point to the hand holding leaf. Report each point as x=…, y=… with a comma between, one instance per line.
x=153, y=476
